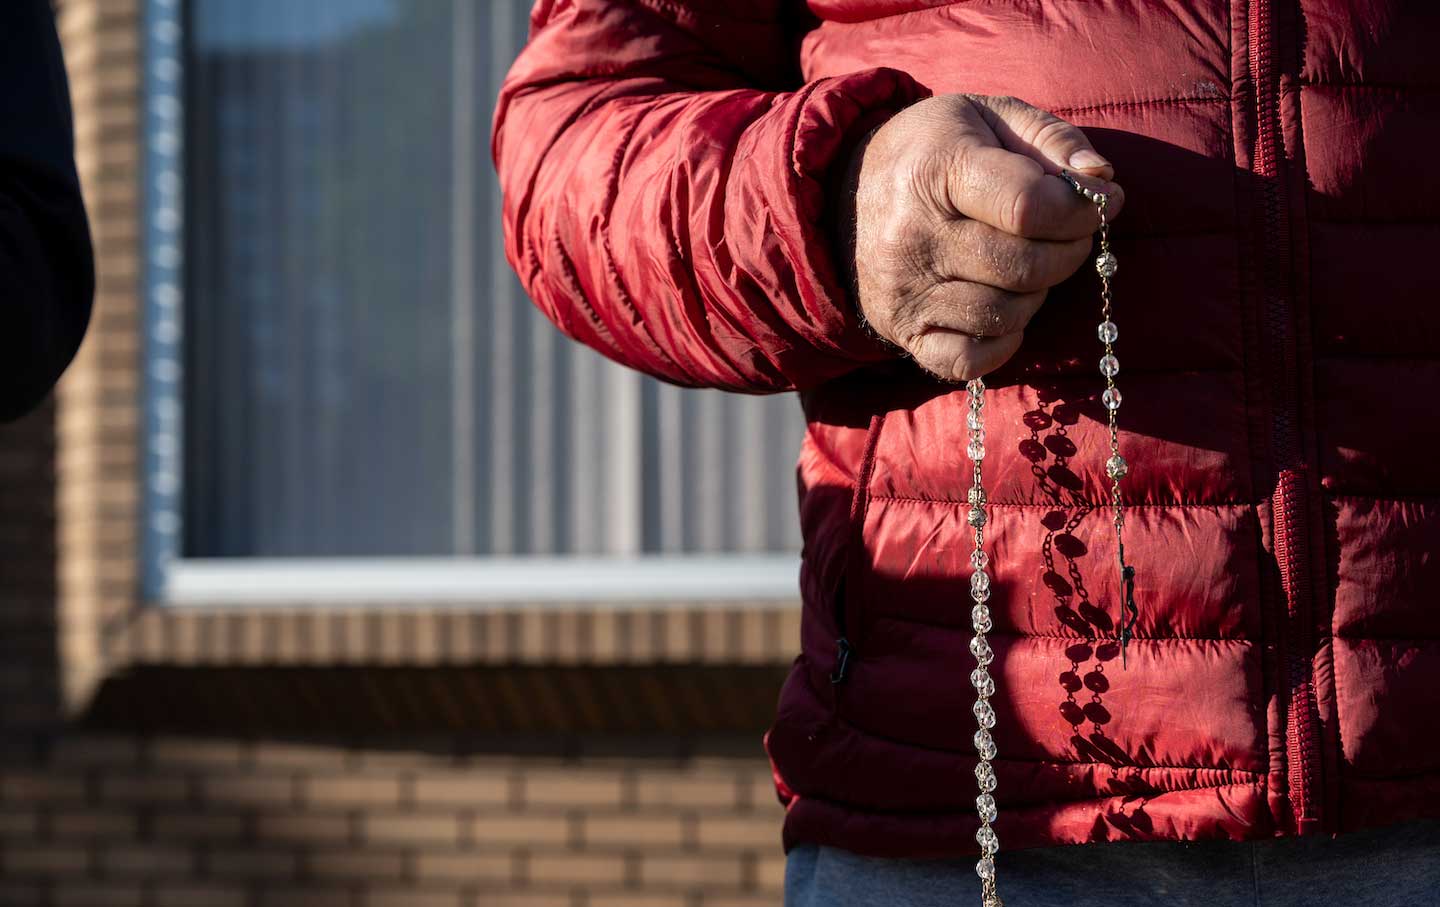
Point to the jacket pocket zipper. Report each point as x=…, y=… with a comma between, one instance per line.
x=843, y=649
x=845, y=601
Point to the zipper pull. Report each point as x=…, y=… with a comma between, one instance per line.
x=1129, y=613
x=842, y=661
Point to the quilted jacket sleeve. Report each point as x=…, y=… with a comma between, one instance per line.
x=665, y=178
x=46, y=267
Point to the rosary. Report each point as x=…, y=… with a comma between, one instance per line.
x=1115, y=468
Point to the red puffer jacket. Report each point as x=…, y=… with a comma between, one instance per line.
x=667, y=168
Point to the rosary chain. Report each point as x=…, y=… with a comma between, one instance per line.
x=980, y=678
x=1115, y=468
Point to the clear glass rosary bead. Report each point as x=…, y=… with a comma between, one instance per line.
x=985, y=775
x=984, y=713
x=979, y=581
x=974, y=421
x=987, y=839
x=984, y=745
x=983, y=683
x=1116, y=467
x=1107, y=264
x=982, y=651
x=980, y=619
x=985, y=806
x=1109, y=366
x=1108, y=332
x=1111, y=398
x=976, y=496
x=976, y=387
x=985, y=869
x=976, y=449
x=978, y=558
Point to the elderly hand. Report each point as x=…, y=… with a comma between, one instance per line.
x=960, y=226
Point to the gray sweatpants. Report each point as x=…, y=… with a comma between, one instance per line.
x=1387, y=867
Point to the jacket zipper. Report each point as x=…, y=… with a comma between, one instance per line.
x=1290, y=503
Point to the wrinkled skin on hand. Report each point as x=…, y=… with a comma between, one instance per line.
x=960, y=226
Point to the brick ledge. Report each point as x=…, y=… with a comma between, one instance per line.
x=746, y=633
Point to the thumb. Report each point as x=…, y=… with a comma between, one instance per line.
x=1040, y=135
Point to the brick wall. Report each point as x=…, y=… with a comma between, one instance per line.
x=128, y=818
x=115, y=820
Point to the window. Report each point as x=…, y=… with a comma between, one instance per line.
x=343, y=367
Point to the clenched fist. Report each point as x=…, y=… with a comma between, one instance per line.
x=960, y=226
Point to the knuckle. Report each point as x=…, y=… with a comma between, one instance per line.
x=1022, y=267
x=898, y=247
x=1052, y=129
x=998, y=313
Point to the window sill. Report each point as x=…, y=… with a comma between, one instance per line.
x=490, y=583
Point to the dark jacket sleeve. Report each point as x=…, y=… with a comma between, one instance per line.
x=47, y=277
x=665, y=173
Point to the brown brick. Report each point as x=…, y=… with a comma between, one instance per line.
x=212, y=754
x=252, y=863
x=505, y=898
x=289, y=755
x=578, y=788
x=411, y=897
x=770, y=872
x=93, y=823
x=521, y=828
x=759, y=832
x=278, y=828
x=636, y=899
x=202, y=826
x=23, y=894
x=131, y=787
x=201, y=896
x=706, y=870
x=402, y=760
x=97, y=750
x=422, y=828
x=466, y=866
x=248, y=790
x=583, y=869
x=17, y=822
x=42, y=786
x=664, y=789
x=472, y=788
x=61, y=860
x=307, y=896
x=92, y=894
x=150, y=860
x=630, y=829
x=353, y=864
x=353, y=790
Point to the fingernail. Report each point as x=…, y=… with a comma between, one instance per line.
x=1086, y=158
